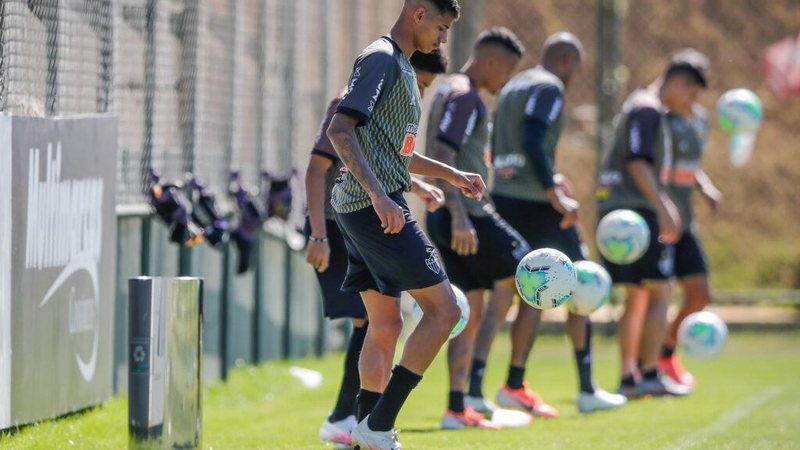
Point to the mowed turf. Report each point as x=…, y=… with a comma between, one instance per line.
x=749, y=398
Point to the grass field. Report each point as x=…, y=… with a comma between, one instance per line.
x=749, y=398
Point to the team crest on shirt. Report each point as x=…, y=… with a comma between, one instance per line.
x=410, y=141
x=432, y=261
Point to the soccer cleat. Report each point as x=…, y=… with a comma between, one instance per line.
x=658, y=387
x=480, y=404
x=628, y=391
x=365, y=439
x=338, y=433
x=526, y=400
x=671, y=367
x=468, y=418
x=600, y=400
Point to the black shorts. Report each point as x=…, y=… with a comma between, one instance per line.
x=539, y=223
x=657, y=263
x=690, y=258
x=500, y=248
x=388, y=263
x=335, y=302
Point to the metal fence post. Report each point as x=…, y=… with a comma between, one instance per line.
x=608, y=58
x=165, y=351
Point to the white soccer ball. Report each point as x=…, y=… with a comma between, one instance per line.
x=739, y=111
x=593, y=289
x=622, y=236
x=545, y=278
x=463, y=305
x=702, y=334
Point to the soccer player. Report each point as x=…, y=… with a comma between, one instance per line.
x=327, y=254
x=374, y=133
x=538, y=203
x=689, y=127
x=634, y=177
x=478, y=248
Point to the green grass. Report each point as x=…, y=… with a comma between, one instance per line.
x=748, y=398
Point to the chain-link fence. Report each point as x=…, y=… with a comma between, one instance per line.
x=204, y=86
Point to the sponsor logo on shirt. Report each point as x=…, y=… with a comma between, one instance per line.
x=374, y=99
x=555, y=110
x=506, y=166
x=473, y=120
x=410, y=141
x=636, y=138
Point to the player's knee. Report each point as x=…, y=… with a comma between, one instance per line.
x=387, y=331
x=446, y=313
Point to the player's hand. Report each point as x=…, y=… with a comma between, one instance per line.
x=471, y=184
x=565, y=205
x=669, y=221
x=566, y=186
x=713, y=198
x=465, y=239
x=390, y=214
x=318, y=255
x=428, y=193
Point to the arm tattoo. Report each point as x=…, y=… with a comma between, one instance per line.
x=349, y=150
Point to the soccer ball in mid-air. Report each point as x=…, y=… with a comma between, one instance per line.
x=593, y=289
x=463, y=305
x=623, y=236
x=739, y=111
x=545, y=278
x=702, y=334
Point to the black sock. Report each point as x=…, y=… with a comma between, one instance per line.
x=366, y=401
x=650, y=374
x=476, y=378
x=456, y=401
x=628, y=381
x=667, y=351
x=516, y=375
x=639, y=364
x=346, y=403
x=401, y=383
x=583, y=358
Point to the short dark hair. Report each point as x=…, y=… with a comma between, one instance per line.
x=502, y=37
x=433, y=62
x=690, y=63
x=447, y=6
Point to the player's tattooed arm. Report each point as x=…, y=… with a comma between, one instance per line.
x=342, y=133
x=464, y=238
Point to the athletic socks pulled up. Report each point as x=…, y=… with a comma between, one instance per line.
x=455, y=401
x=583, y=360
x=401, y=383
x=516, y=376
x=667, y=351
x=346, y=402
x=366, y=401
x=476, y=378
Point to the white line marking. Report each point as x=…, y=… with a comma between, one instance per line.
x=739, y=412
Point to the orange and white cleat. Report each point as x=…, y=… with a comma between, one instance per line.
x=467, y=418
x=526, y=400
x=671, y=367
